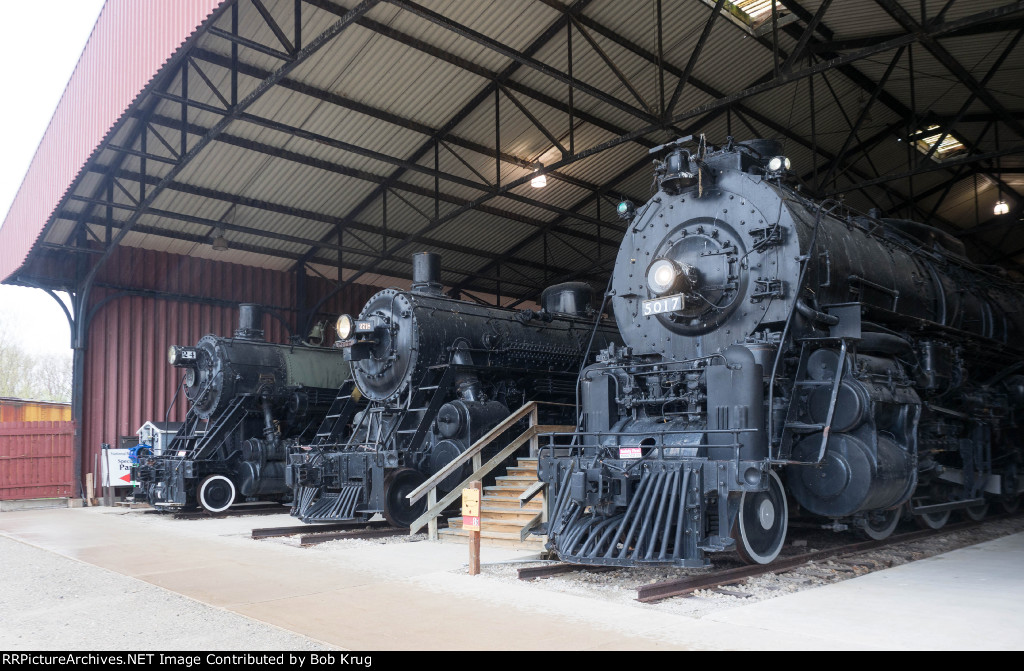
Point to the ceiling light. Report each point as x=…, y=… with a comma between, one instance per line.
x=1001, y=208
x=539, y=181
x=220, y=243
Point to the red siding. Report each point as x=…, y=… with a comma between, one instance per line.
x=127, y=379
x=129, y=44
x=36, y=459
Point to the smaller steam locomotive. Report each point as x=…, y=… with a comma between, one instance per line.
x=436, y=374
x=248, y=400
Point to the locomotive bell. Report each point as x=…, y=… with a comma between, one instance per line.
x=675, y=172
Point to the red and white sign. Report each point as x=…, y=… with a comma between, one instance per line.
x=117, y=468
x=471, y=522
x=629, y=453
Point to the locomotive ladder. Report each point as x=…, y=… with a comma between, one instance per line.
x=425, y=401
x=419, y=408
x=202, y=446
x=792, y=426
x=340, y=414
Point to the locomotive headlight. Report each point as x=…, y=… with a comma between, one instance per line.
x=777, y=163
x=181, y=356
x=662, y=276
x=344, y=326
x=626, y=210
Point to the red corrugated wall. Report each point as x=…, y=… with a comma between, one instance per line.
x=127, y=377
x=129, y=43
x=35, y=459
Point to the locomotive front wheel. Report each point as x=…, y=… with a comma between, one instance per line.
x=762, y=522
x=976, y=513
x=397, y=509
x=216, y=493
x=932, y=520
x=879, y=524
x=1010, y=504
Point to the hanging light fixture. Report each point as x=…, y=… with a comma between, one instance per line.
x=220, y=243
x=1001, y=208
x=539, y=181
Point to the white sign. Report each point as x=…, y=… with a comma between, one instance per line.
x=117, y=468
x=629, y=453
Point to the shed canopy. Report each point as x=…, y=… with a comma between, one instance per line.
x=336, y=138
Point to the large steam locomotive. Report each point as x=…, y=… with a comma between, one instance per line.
x=774, y=344
x=248, y=400
x=437, y=374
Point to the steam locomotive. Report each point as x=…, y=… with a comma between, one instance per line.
x=248, y=400
x=436, y=374
x=776, y=344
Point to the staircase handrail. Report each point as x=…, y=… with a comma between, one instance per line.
x=477, y=447
x=494, y=462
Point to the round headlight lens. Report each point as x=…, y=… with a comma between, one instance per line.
x=344, y=326
x=172, y=355
x=775, y=163
x=789, y=164
x=661, y=276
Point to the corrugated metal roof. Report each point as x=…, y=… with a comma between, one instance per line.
x=359, y=117
x=130, y=40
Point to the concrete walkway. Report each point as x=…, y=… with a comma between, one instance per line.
x=411, y=596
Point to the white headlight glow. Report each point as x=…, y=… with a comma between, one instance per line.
x=661, y=276
x=344, y=327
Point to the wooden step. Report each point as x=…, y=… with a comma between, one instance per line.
x=507, y=513
x=536, y=502
x=505, y=490
x=517, y=479
x=494, y=538
x=488, y=524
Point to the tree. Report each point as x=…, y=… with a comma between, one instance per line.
x=22, y=375
x=52, y=377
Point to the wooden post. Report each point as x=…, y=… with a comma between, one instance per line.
x=471, y=522
x=432, y=524
x=534, y=441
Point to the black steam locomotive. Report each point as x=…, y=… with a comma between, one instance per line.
x=248, y=399
x=774, y=344
x=436, y=374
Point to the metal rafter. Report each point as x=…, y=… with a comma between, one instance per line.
x=949, y=62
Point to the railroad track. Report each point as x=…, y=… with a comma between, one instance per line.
x=248, y=509
x=843, y=557
x=276, y=532
x=314, y=534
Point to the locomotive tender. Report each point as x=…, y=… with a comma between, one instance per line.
x=436, y=374
x=248, y=400
x=774, y=344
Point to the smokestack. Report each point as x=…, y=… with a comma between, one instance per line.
x=250, y=322
x=426, y=273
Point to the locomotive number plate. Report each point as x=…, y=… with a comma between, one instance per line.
x=657, y=306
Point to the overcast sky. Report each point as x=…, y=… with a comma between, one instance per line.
x=40, y=42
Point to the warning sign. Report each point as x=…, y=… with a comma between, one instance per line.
x=471, y=509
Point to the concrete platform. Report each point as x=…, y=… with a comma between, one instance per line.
x=411, y=596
